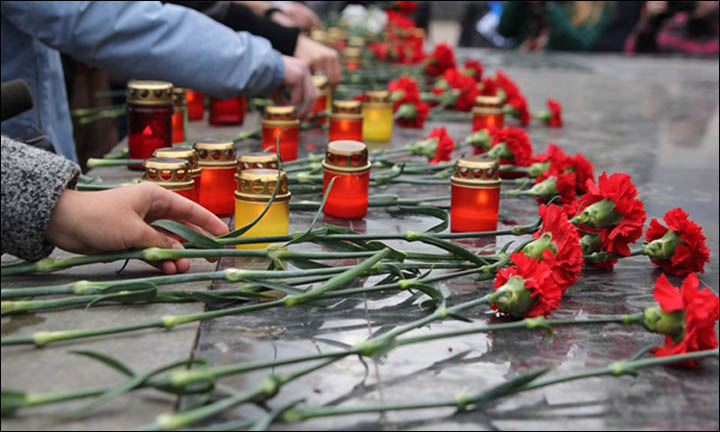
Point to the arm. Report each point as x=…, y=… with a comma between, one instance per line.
x=153, y=41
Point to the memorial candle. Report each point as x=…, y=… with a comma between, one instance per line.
x=488, y=113
x=352, y=58
x=347, y=162
x=346, y=121
x=475, y=195
x=254, y=189
x=191, y=157
x=149, y=113
x=196, y=104
x=377, y=117
x=179, y=117
x=217, y=174
x=321, y=104
x=172, y=174
x=280, y=121
x=227, y=111
x=257, y=160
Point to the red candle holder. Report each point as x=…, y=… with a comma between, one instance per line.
x=196, y=104
x=191, y=157
x=149, y=112
x=346, y=121
x=488, y=113
x=228, y=111
x=179, y=117
x=352, y=58
x=475, y=195
x=321, y=104
x=217, y=175
x=170, y=173
x=280, y=121
x=347, y=162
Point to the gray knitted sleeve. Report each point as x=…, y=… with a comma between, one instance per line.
x=32, y=181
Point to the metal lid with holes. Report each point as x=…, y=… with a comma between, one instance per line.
x=179, y=98
x=477, y=172
x=188, y=154
x=321, y=83
x=356, y=42
x=215, y=152
x=488, y=105
x=352, y=53
x=347, y=109
x=280, y=116
x=149, y=92
x=257, y=160
x=259, y=184
x=346, y=156
x=170, y=173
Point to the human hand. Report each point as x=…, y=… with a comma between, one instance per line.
x=118, y=219
x=302, y=90
x=321, y=59
x=655, y=7
x=301, y=15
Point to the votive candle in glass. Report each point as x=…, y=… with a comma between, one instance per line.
x=475, y=195
x=217, y=174
x=321, y=104
x=347, y=162
x=227, y=111
x=488, y=113
x=281, y=121
x=254, y=189
x=196, y=104
x=149, y=113
x=191, y=156
x=256, y=160
x=346, y=121
x=377, y=117
x=352, y=58
x=172, y=174
x=179, y=117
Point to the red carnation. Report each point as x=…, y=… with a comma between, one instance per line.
x=620, y=225
x=584, y=171
x=405, y=7
x=413, y=115
x=504, y=82
x=488, y=87
x=445, y=145
x=440, y=60
x=537, y=278
x=519, y=108
x=564, y=185
x=517, y=142
x=467, y=87
x=687, y=246
x=553, y=115
x=403, y=90
x=380, y=49
x=398, y=22
x=474, y=68
x=701, y=312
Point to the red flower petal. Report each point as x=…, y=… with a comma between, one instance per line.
x=667, y=296
x=538, y=279
x=691, y=255
x=517, y=142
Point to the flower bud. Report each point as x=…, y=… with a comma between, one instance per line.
x=535, y=248
x=598, y=215
x=545, y=189
x=424, y=148
x=479, y=139
x=407, y=111
x=513, y=298
x=397, y=95
x=538, y=168
x=590, y=243
x=500, y=151
x=668, y=323
x=664, y=247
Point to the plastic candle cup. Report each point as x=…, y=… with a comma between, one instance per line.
x=347, y=162
x=352, y=58
x=377, y=117
x=254, y=189
x=321, y=104
x=280, y=121
x=196, y=104
x=217, y=175
x=191, y=157
x=172, y=174
x=488, y=113
x=179, y=117
x=346, y=121
x=227, y=111
x=149, y=113
x=475, y=196
x=257, y=160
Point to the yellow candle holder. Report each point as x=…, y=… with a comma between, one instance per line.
x=377, y=117
x=254, y=189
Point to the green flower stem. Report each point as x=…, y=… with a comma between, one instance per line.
x=121, y=154
x=604, y=256
x=95, y=162
x=373, y=201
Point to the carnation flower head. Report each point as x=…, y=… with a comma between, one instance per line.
x=474, y=68
x=517, y=144
x=441, y=59
x=679, y=248
x=526, y=289
x=553, y=116
x=467, y=87
x=413, y=115
x=445, y=145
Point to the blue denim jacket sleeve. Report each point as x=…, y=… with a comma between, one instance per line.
x=150, y=40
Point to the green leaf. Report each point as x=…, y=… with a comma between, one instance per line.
x=246, y=228
x=306, y=264
x=510, y=386
x=107, y=361
x=11, y=401
x=429, y=211
x=194, y=238
x=459, y=317
x=136, y=295
x=317, y=214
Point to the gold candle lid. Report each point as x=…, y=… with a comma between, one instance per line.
x=318, y=36
x=170, y=173
x=257, y=160
x=346, y=156
x=320, y=82
x=477, y=172
x=280, y=116
x=259, y=184
x=356, y=42
x=488, y=105
x=352, y=53
x=215, y=152
x=149, y=92
x=346, y=109
x=179, y=98
x=377, y=99
x=190, y=155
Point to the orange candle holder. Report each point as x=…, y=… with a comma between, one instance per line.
x=346, y=121
x=170, y=173
x=179, y=117
x=321, y=104
x=488, y=113
x=348, y=163
x=352, y=58
x=149, y=114
x=254, y=189
x=196, y=104
x=217, y=175
x=281, y=121
x=475, y=195
x=227, y=111
x=191, y=156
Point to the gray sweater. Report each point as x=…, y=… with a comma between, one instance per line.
x=32, y=181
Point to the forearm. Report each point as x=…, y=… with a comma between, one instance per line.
x=258, y=7
x=32, y=181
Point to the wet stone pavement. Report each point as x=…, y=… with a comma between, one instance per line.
x=655, y=119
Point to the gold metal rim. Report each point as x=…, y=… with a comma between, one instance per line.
x=489, y=100
x=279, y=110
x=213, y=145
x=346, y=170
x=258, y=157
x=217, y=164
x=486, y=110
x=262, y=198
x=346, y=116
x=266, y=122
x=477, y=184
x=477, y=161
x=346, y=147
x=166, y=163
